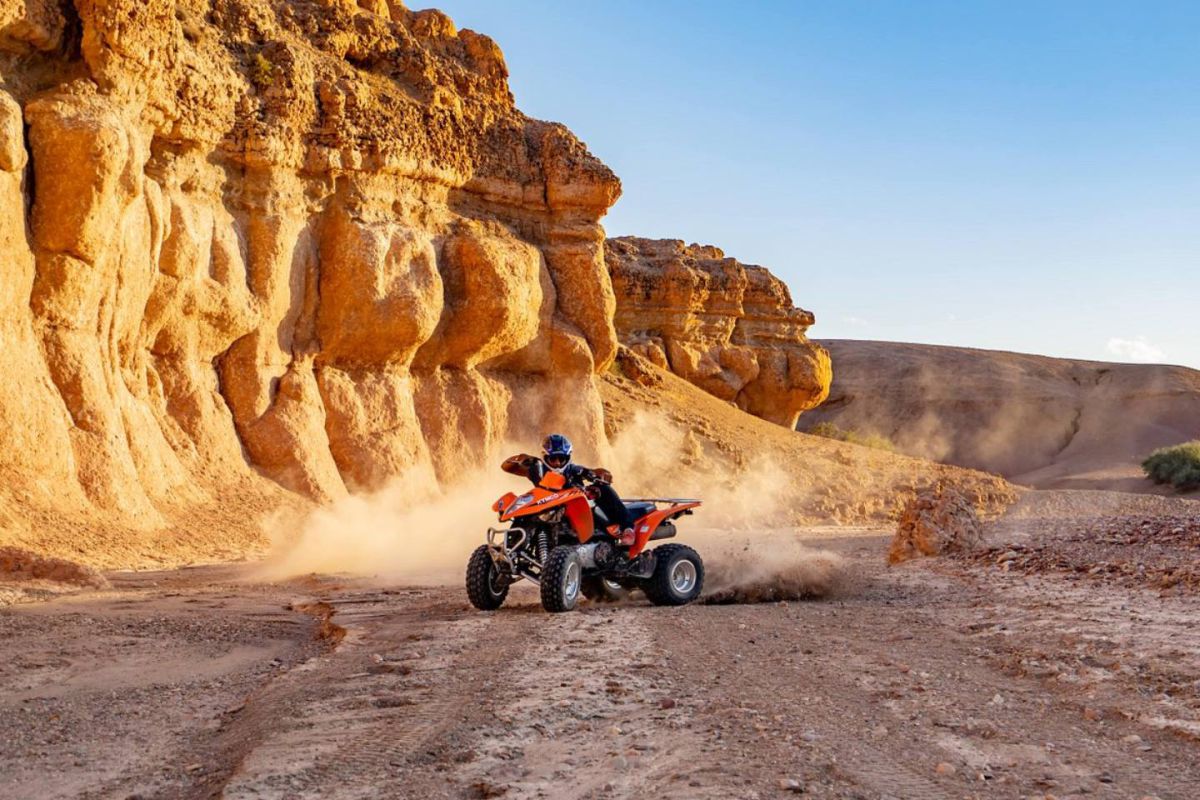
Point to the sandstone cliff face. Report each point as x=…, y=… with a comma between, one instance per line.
x=730, y=328
x=309, y=243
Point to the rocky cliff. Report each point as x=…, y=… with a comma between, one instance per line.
x=729, y=328
x=262, y=243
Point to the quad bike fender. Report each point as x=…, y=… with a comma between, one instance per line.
x=645, y=527
x=505, y=501
x=579, y=514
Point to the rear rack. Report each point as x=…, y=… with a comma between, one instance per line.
x=659, y=500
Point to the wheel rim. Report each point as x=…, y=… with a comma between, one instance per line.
x=571, y=582
x=613, y=586
x=495, y=581
x=683, y=576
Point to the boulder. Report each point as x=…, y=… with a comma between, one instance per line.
x=938, y=519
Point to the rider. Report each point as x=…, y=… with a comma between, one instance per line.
x=556, y=457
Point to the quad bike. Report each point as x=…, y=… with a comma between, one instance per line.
x=558, y=539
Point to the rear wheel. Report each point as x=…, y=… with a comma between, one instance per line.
x=561, y=579
x=678, y=576
x=486, y=585
x=603, y=590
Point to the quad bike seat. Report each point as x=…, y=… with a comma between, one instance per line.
x=639, y=509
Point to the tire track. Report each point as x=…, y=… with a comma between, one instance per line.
x=403, y=680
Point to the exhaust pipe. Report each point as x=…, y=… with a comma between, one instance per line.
x=587, y=554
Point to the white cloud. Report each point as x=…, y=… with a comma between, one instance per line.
x=857, y=322
x=1137, y=349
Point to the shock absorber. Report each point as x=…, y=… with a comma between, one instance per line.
x=543, y=545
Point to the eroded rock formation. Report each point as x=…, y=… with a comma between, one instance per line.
x=940, y=519
x=306, y=242
x=730, y=328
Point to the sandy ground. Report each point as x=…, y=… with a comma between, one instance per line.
x=947, y=678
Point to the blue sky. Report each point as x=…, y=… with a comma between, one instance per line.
x=1012, y=175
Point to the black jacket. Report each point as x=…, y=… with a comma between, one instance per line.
x=535, y=469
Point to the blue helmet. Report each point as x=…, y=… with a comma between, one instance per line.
x=556, y=450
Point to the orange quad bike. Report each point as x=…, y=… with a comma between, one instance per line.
x=559, y=540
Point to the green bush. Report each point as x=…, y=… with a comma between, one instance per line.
x=830, y=431
x=262, y=71
x=1178, y=466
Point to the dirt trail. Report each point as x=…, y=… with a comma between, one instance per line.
x=936, y=679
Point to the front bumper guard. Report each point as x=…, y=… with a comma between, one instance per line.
x=499, y=547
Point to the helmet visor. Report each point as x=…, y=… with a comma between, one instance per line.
x=557, y=460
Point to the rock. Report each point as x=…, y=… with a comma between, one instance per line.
x=939, y=519
x=984, y=729
x=791, y=785
x=945, y=768
x=730, y=328
x=666, y=703
x=487, y=789
x=1132, y=738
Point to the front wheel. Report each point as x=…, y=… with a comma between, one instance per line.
x=486, y=585
x=678, y=576
x=561, y=579
x=603, y=590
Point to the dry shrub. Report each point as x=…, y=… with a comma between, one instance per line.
x=1178, y=466
x=828, y=430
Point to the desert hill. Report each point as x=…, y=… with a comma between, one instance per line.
x=1044, y=422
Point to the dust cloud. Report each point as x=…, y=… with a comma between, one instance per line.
x=411, y=531
x=749, y=553
x=769, y=568
x=415, y=531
